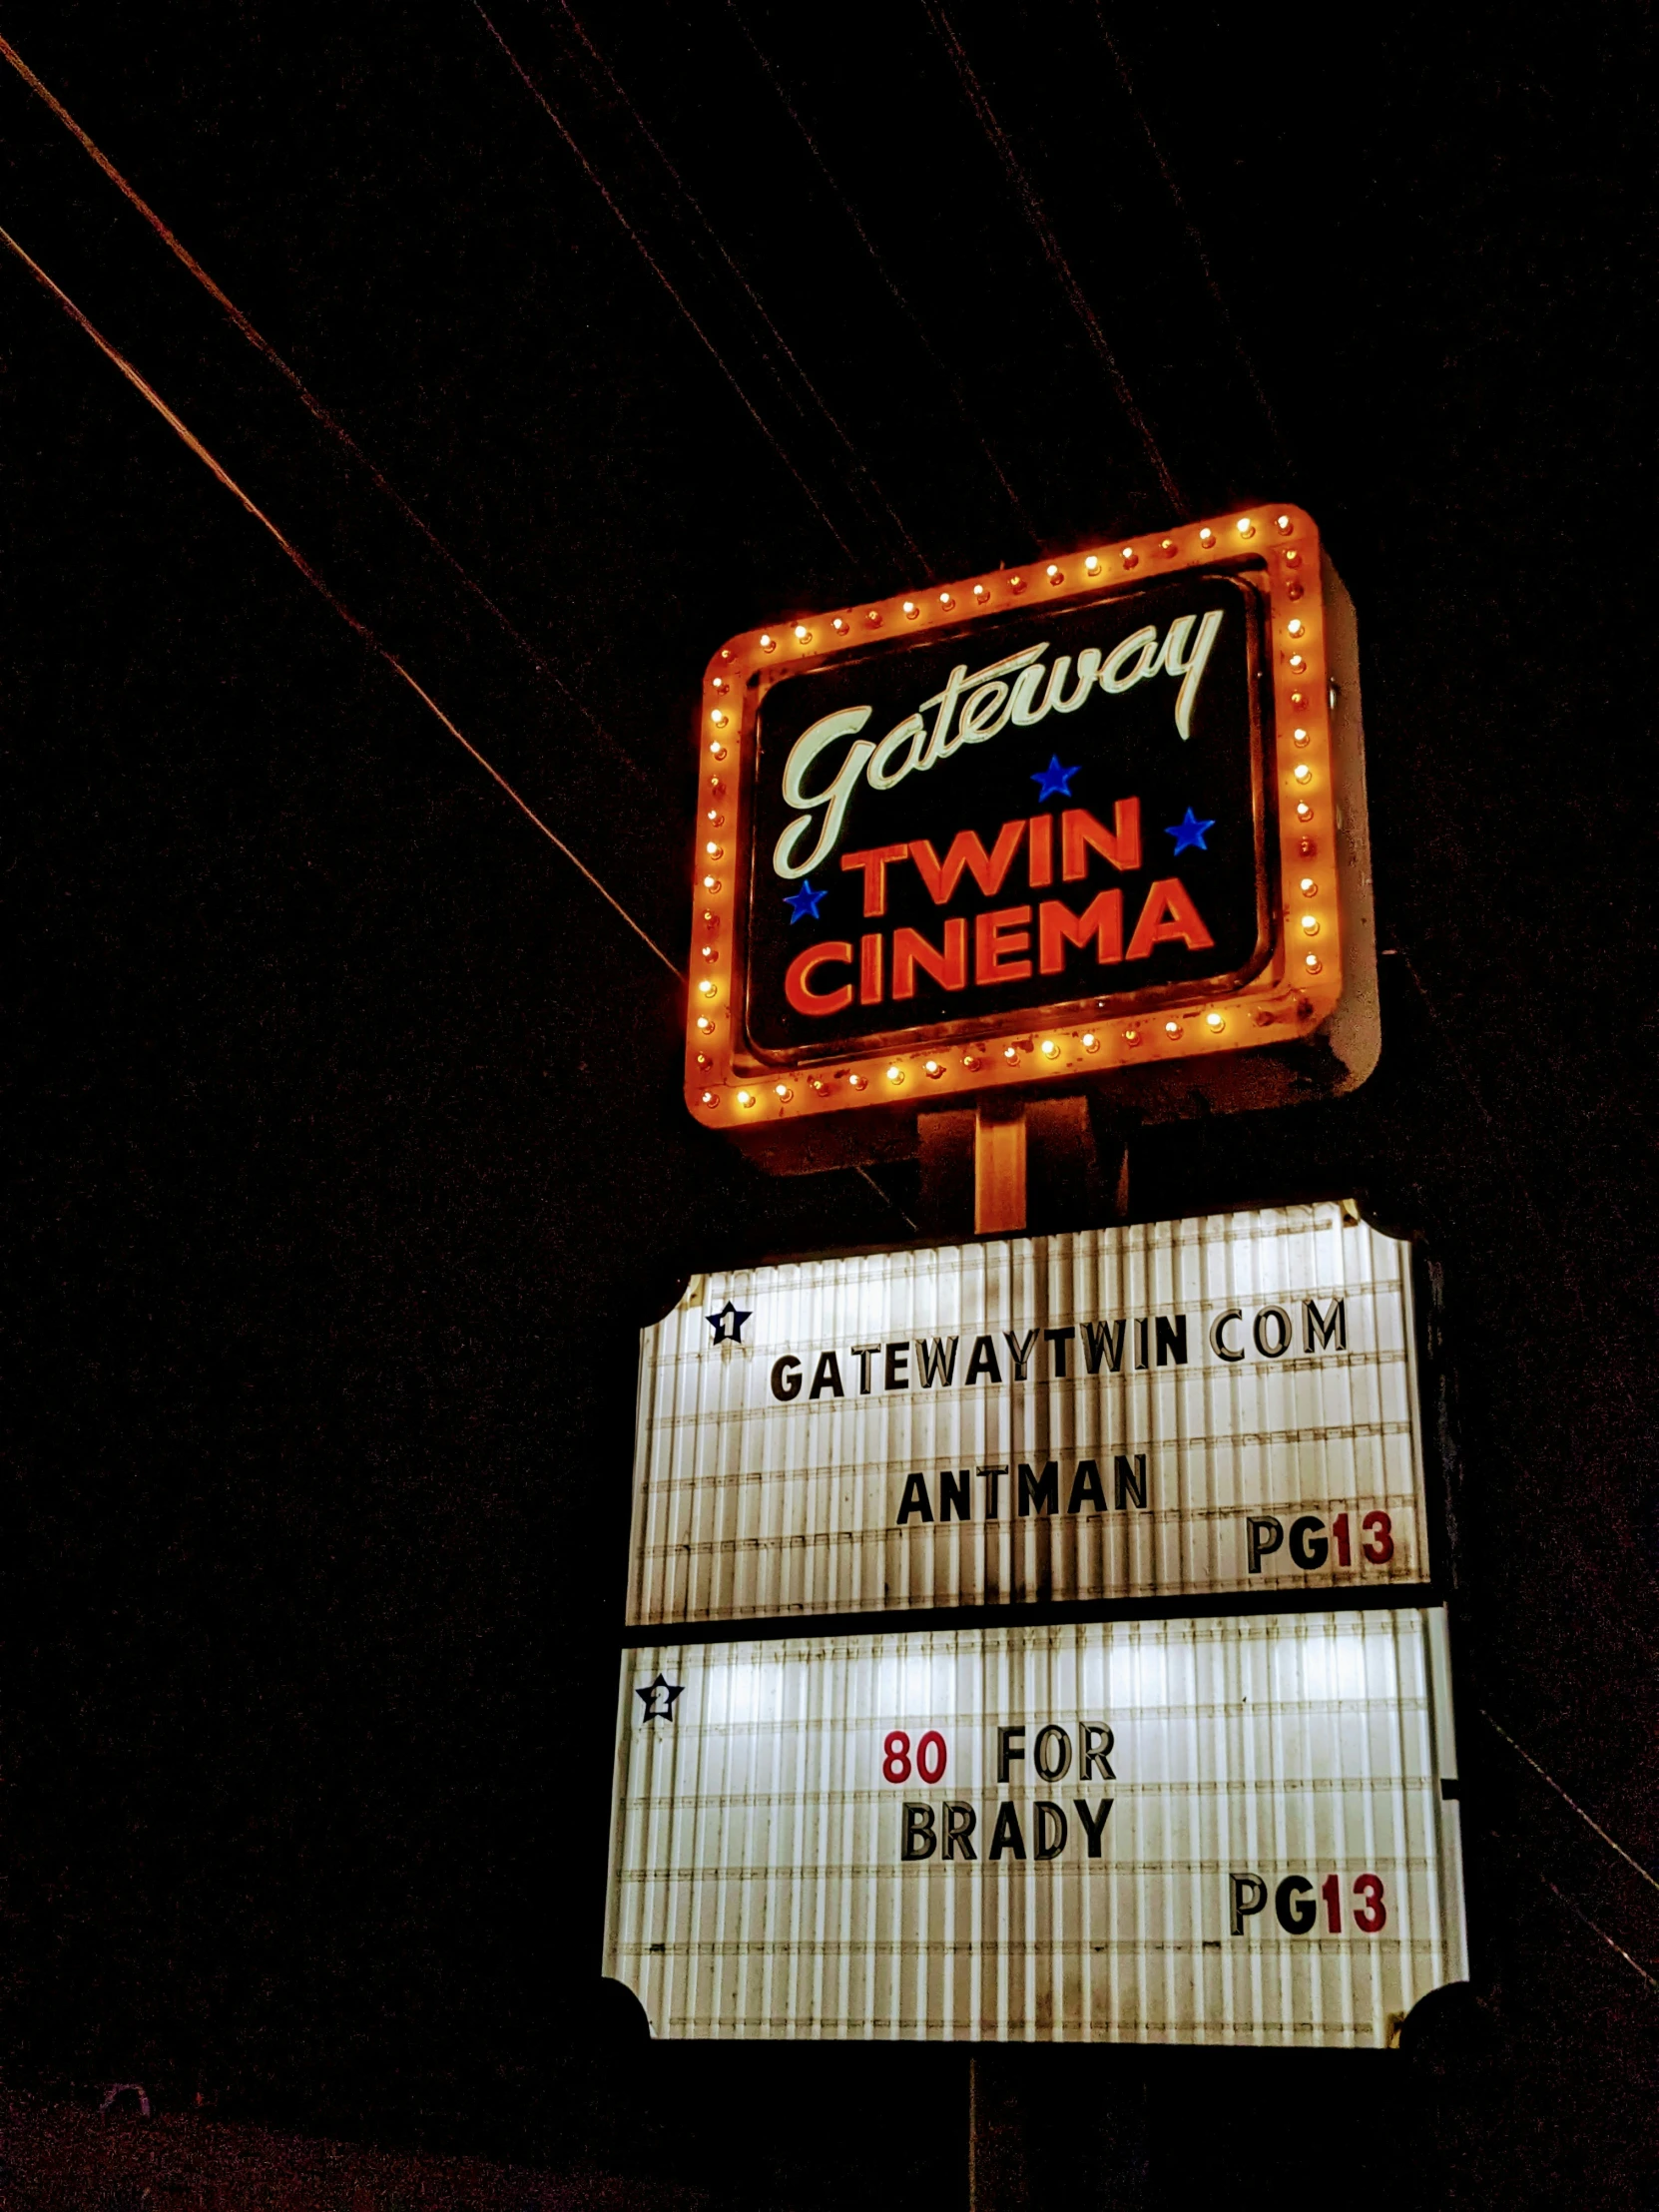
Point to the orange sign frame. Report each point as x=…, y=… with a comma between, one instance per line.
x=1294, y=995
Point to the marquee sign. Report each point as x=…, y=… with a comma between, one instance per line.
x=1215, y=1406
x=1039, y=826
x=1226, y=1830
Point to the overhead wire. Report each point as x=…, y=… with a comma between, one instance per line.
x=1195, y=238
x=748, y=289
x=661, y=276
x=1594, y=1826
x=1053, y=252
x=188, y=437
x=314, y=405
x=952, y=382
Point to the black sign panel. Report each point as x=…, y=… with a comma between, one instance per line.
x=1055, y=807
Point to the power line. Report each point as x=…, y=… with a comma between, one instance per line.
x=1594, y=1826
x=1194, y=239
x=1027, y=193
x=946, y=374
x=748, y=289
x=661, y=274
x=314, y=406
x=361, y=629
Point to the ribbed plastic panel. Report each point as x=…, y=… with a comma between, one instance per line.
x=1290, y=1762
x=1251, y=1364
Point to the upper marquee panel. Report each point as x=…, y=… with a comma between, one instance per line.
x=1100, y=818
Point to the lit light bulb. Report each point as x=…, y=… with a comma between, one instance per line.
x=710, y=883
x=1295, y=627
x=1207, y=537
x=980, y=593
x=768, y=642
x=746, y=1098
x=1298, y=700
x=1129, y=556
x=717, y=751
x=1298, y=737
x=1016, y=583
x=820, y=1086
x=715, y=852
x=1301, y=772
x=1091, y=1043
x=1308, y=887
x=933, y=1068
x=1214, y=1021
x=1244, y=527
x=1131, y=1036
x=708, y=1098
x=717, y=683
x=1293, y=559
x=707, y=987
x=719, y=718
x=783, y=1091
x=1010, y=1051
x=705, y=1026
x=1304, y=813
x=710, y=922
x=1091, y=566
x=1168, y=548
x=946, y=599
x=801, y=634
x=726, y=652
x=703, y=1061
x=1050, y=1050
x=1310, y=925
x=1172, y=1029
x=971, y=1062
x=874, y=618
x=708, y=951
x=839, y=625
x=911, y=610
x=1299, y=661
x=858, y=1083
x=895, y=1074
x=1054, y=574
x=1311, y=963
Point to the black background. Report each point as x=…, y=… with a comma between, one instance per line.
x=347, y=1139
x=1123, y=745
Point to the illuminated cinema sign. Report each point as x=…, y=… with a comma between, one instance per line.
x=1042, y=826
x=1239, y=1830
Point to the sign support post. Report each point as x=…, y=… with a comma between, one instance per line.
x=999, y=1161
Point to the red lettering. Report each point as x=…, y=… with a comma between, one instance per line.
x=1039, y=850
x=875, y=864
x=1372, y=1916
x=932, y=1757
x=1168, y=917
x=986, y=869
x=1058, y=927
x=1331, y=1889
x=1339, y=1529
x=895, y=1760
x=1380, y=1549
x=999, y=938
x=870, y=971
x=802, y=967
x=911, y=951
x=1081, y=834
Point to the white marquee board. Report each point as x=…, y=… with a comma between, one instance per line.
x=846, y=1835
x=1227, y=1404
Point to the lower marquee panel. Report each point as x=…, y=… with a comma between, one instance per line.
x=1216, y=1830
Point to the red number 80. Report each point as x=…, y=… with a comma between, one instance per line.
x=932, y=1757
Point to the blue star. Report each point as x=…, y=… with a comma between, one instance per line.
x=1189, y=831
x=1053, y=782
x=728, y=1324
x=804, y=903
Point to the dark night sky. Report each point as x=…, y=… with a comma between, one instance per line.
x=348, y=1144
